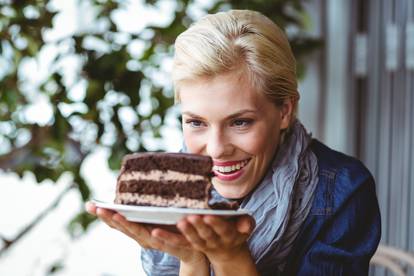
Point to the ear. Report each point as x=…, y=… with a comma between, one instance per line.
x=286, y=110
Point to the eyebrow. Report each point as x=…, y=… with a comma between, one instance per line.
x=234, y=115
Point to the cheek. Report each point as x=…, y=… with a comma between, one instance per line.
x=257, y=143
x=193, y=142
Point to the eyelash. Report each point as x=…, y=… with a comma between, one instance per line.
x=192, y=121
x=246, y=122
x=198, y=123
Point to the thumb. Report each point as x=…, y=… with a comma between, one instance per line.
x=245, y=224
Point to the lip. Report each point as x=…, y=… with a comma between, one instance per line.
x=228, y=163
x=231, y=176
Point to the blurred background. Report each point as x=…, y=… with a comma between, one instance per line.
x=84, y=82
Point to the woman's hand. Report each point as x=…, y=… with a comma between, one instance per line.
x=222, y=241
x=150, y=237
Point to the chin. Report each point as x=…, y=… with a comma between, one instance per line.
x=229, y=192
x=231, y=189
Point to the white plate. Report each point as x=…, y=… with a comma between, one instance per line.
x=162, y=215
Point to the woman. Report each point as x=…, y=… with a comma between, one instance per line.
x=314, y=210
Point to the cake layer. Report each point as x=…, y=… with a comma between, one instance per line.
x=168, y=189
x=180, y=162
x=157, y=175
x=156, y=200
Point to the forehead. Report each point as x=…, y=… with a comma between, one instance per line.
x=225, y=93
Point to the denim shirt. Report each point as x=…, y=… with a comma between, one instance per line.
x=343, y=229
x=341, y=232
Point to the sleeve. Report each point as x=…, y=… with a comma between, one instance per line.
x=347, y=241
x=157, y=263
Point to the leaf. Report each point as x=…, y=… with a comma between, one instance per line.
x=94, y=93
x=115, y=158
x=61, y=127
x=129, y=82
x=82, y=186
x=42, y=173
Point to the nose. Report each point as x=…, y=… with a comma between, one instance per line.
x=218, y=145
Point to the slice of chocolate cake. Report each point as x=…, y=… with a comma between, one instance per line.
x=166, y=180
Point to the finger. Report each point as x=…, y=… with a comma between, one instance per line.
x=119, y=226
x=204, y=231
x=122, y=224
x=190, y=234
x=176, y=240
x=158, y=244
x=184, y=253
x=104, y=213
x=105, y=216
x=108, y=216
x=224, y=229
x=245, y=224
x=118, y=222
x=137, y=232
x=90, y=207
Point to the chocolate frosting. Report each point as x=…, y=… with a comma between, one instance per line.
x=180, y=162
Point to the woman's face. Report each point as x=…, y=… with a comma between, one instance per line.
x=225, y=118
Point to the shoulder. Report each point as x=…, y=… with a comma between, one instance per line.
x=340, y=177
x=337, y=162
x=343, y=228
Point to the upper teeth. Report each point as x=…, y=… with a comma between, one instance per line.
x=234, y=167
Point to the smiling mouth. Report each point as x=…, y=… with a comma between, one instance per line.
x=230, y=169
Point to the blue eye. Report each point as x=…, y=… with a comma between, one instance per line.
x=194, y=123
x=242, y=122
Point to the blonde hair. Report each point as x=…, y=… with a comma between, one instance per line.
x=234, y=40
